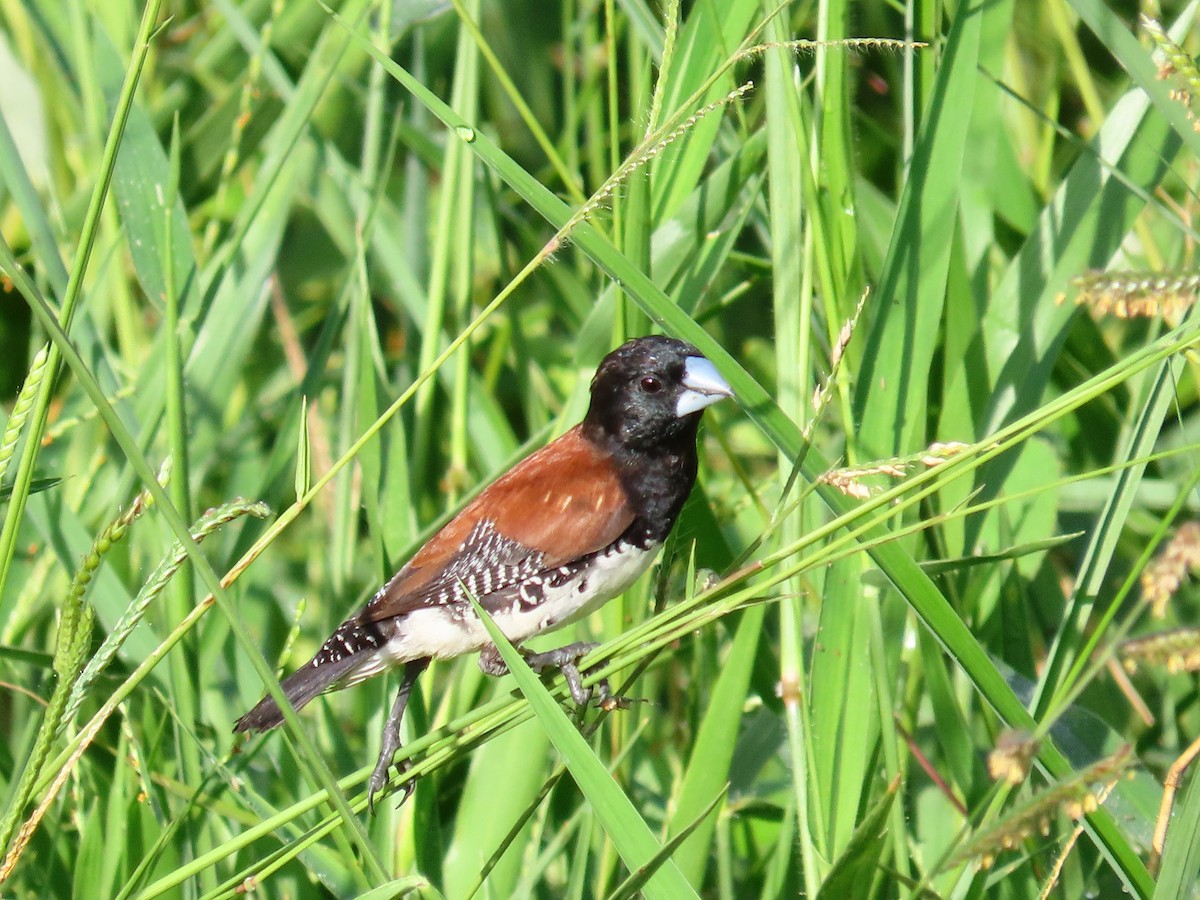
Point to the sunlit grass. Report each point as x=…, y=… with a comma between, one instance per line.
x=352, y=264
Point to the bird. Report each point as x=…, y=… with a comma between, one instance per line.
x=564, y=531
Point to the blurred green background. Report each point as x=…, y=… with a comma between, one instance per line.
x=352, y=263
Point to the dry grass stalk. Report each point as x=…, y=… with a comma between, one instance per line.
x=1170, y=787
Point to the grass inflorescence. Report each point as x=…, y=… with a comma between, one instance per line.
x=1035, y=816
x=1130, y=295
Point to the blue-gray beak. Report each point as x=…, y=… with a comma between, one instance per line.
x=704, y=386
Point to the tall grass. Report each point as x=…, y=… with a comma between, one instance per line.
x=351, y=262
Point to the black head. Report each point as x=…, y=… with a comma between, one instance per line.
x=652, y=390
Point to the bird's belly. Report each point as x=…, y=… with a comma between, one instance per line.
x=607, y=575
x=444, y=632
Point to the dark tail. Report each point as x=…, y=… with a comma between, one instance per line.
x=300, y=687
x=343, y=651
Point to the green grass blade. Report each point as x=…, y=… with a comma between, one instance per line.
x=626, y=829
x=73, y=290
x=893, y=381
x=712, y=753
x=853, y=871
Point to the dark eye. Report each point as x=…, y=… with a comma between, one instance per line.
x=651, y=385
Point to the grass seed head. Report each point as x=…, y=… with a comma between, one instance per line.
x=1129, y=295
x=1012, y=756
x=1176, y=650
x=1165, y=573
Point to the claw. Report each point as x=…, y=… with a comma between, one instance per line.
x=380, y=779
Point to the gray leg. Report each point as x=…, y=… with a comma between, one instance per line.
x=564, y=659
x=391, y=736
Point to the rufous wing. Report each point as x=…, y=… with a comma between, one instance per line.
x=563, y=502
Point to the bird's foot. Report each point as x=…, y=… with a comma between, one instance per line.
x=566, y=660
